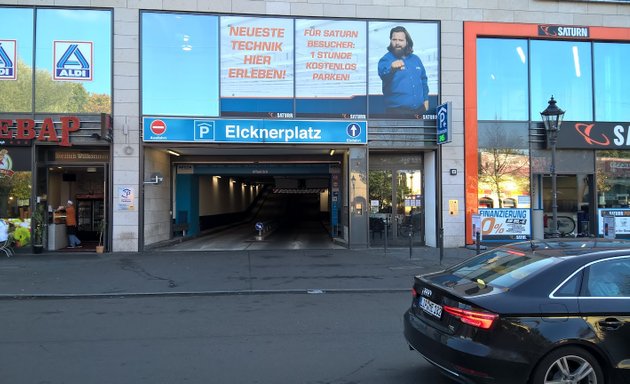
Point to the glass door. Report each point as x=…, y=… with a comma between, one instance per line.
x=410, y=202
x=396, y=207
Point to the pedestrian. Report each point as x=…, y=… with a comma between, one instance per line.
x=71, y=226
x=405, y=86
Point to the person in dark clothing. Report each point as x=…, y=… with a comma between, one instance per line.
x=405, y=86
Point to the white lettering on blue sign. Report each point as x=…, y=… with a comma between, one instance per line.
x=204, y=130
x=236, y=132
x=353, y=130
x=75, y=63
x=7, y=59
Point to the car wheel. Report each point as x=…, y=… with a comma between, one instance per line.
x=568, y=365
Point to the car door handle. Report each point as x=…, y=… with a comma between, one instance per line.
x=610, y=324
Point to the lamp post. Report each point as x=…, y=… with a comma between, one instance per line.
x=552, y=117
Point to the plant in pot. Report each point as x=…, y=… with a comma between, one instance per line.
x=38, y=225
x=100, y=248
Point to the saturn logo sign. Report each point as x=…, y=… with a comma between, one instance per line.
x=158, y=127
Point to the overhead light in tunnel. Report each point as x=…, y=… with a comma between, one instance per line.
x=332, y=152
x=173, y=152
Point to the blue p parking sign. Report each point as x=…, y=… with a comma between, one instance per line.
x=443, y=123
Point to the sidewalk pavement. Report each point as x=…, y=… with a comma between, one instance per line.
x=65, y=275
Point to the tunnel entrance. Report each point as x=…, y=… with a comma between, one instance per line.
x=254, y=205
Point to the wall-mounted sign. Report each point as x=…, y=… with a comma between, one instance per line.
x=8, y=60
x=592, y=135
x=73, y=60
x=29, y=129
x=255, y=131
x=82, y=156
x=126, y=197
x=563, y=31
x=6, y=164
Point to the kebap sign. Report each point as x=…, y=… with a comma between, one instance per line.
x=254, y=131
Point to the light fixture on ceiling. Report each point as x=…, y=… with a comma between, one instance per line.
x=173, y=152
x=332, y=152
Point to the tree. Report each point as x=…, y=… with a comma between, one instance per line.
x=500, y=163
x=50, y=96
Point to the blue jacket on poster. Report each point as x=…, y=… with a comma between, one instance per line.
x=405, y=88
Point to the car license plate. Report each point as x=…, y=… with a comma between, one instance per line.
x=430, y=307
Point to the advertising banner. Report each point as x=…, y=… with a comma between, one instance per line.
x=614, y=223
x=505, y=224
x=256, y=66
x=285, y=68
x=401, y=91
x=254, y=131
x=331, y=68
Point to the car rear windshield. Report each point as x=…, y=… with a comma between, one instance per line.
x=501, y=267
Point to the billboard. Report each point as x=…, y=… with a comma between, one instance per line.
x=291, y=68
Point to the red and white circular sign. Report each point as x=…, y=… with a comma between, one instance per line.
x=158, y=127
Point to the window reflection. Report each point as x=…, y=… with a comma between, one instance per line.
x=16, y=40
x=503, y=166
x=613, y=179
x=180, y=64
x=502, y=79
x=612, y=99
x=562, y=69
x=59, y=30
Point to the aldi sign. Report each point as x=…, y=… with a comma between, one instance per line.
x=8, y=59
x=73, y=60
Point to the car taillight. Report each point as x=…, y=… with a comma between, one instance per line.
x=477, y=319
x=414, y=293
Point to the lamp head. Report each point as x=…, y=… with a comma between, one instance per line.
x=552, y=116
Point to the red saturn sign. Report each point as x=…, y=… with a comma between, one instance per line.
x=593, y=135
x=158, y=127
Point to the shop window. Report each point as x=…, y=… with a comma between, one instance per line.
x=503, y=177
x=502, y=79
x=612, y=99
x=16, y=50
x=613, y=179
x=569, y=79
x=73, y=61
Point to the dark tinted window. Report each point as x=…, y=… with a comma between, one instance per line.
x=609, y=278
x=571, y=288
x=502, y=267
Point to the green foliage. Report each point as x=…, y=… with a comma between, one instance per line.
x=38, y=224
x=16, y=96
x=51, y=96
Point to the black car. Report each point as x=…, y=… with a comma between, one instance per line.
x=552, y=311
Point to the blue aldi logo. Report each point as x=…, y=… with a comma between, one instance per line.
x=73, y=60
x=8, y=59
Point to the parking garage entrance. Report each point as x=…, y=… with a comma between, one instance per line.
x=294, y=204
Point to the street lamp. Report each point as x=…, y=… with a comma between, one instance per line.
x=552, y=117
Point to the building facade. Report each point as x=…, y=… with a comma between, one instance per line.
x=167, y=118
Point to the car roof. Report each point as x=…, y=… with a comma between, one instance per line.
x=571, y=247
